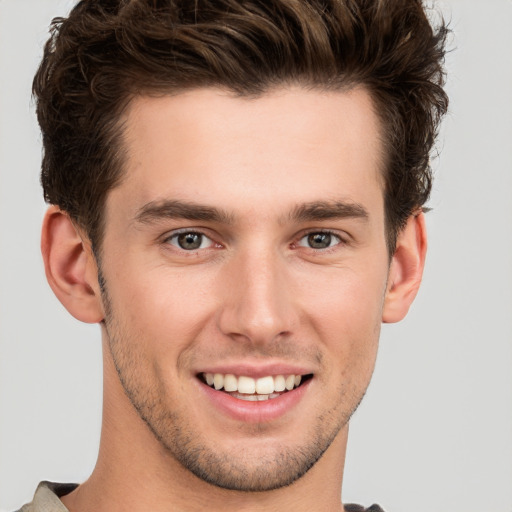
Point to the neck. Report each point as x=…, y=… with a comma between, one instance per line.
x=135, y=472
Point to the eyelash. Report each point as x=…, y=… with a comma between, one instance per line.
x=340, y=240
x=174, y=236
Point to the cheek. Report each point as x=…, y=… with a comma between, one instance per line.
x=348, y=303
x=346, y=315
x=167, y=306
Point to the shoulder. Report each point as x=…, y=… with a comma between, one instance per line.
x=46, y=498
x=359, y=508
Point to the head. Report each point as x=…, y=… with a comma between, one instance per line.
x=106, y=53
x=249, y=176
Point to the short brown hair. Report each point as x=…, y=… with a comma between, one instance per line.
x=108, y=51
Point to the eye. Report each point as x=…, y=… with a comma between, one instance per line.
x=320, y=240
x=190, y=241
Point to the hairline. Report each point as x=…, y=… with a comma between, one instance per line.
x=341, y=86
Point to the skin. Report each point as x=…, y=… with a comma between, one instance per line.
x=265, y=173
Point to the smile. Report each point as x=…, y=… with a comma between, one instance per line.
x=253, y=390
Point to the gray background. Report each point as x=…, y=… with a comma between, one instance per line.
x=435, y=431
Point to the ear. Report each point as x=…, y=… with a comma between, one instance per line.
x=71, y=267
x=406, y=269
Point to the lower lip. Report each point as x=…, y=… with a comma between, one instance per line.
x=255, y=412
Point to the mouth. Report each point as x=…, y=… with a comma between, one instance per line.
x=250, y=389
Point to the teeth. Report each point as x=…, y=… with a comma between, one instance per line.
x=255, y=398
x=265, y=385
x=218, y=381
x=290, y=382
x=257, y=389
x=246, y=385
x=248, y=398
x=279, y=383
x=230, y=383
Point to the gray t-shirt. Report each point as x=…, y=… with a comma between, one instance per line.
x=46, y=499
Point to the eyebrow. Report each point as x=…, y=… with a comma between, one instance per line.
x=328, y=210
x=174, y=209
x=155, y=211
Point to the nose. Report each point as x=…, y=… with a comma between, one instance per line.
x=258, y=298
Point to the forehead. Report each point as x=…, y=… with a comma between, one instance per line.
x=287, y=146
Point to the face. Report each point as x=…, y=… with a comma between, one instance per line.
x=245, y=268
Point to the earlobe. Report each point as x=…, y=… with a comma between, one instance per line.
x=70, y=267
x=406, y=269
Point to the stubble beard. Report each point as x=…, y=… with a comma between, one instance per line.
x=243, y=471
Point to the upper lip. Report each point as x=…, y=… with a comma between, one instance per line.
x=257, y=371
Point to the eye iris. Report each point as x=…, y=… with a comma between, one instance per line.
x=319, y=240
x=190, y=241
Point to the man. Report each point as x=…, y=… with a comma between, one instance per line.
x=236, y=193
